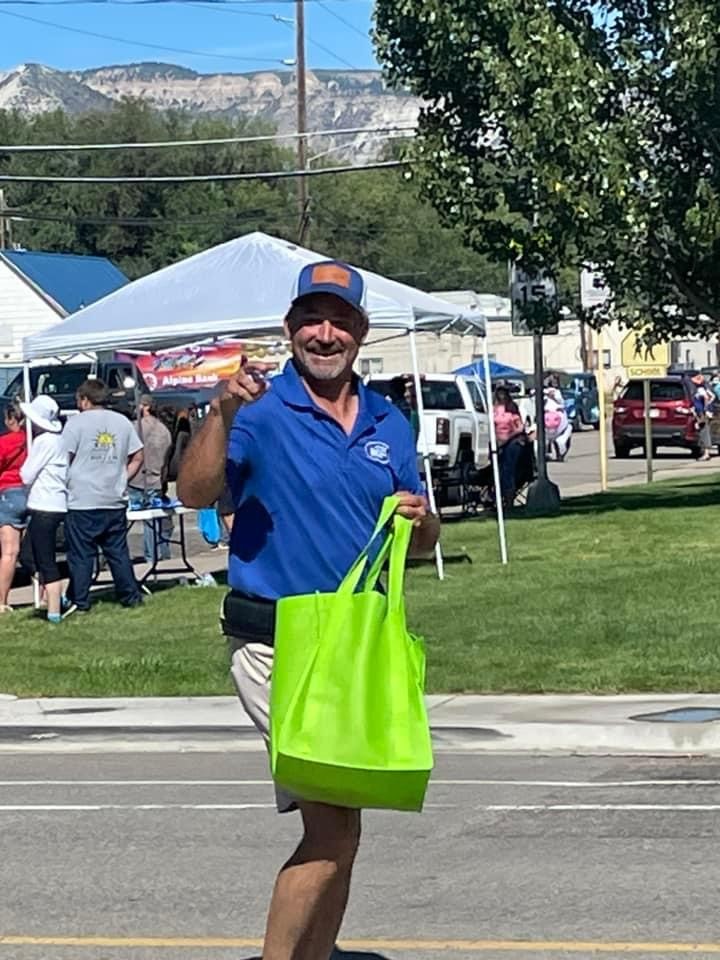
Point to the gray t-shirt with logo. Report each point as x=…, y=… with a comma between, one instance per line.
x=100, y=442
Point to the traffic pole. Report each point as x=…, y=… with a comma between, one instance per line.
x=543, y=497
x=303, y=199
x=600, y=380
x=648, y=430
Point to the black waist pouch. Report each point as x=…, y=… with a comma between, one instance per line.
x=247, y=619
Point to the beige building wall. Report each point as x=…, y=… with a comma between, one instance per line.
x=446, y=352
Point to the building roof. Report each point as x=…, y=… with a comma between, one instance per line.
x=66, y=279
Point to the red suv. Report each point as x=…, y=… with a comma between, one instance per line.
x=671, y=412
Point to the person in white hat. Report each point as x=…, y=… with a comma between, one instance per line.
x=44, y=473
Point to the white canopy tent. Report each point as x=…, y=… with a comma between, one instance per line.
x=243, y=288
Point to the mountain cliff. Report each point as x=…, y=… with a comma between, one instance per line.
x=335, y=99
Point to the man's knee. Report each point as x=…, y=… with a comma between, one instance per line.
x=331, y=833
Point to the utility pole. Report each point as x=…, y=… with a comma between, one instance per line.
x=584, y=352
x=303, y=199
x=4, y=240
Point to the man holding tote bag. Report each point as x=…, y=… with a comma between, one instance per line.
x=310, y=460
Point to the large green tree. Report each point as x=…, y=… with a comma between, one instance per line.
x=571, y=132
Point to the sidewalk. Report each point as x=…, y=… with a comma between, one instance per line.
x=577, y=724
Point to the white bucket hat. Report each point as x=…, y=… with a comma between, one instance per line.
x=44, y=413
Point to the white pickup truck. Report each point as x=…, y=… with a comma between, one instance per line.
x=456, y=419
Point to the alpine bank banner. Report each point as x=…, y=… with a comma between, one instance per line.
x=201, y=366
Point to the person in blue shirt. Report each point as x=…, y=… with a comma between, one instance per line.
x=309, y=456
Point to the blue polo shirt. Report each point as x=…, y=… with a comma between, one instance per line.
x=306, y=494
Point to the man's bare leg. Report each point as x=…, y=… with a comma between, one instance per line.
x=311, y=890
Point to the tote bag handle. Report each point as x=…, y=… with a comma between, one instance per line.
x=401, y=537
x=354, y=574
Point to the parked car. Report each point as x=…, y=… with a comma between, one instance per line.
x=671, y=412
x=61, y=380
x=179, y=408
x=456, y=420
x=580, y=393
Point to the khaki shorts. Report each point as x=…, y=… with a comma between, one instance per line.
x=251, y=670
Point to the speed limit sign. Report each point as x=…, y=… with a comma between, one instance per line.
x=526, y=290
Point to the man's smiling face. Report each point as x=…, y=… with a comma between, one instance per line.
x=326, y=334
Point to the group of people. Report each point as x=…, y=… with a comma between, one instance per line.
x=78, y=475
x=706, y=405
x=515, y=433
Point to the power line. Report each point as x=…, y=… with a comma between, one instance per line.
x=18, y=215
x=220, y=7
x=138, y=43
x=30, y=216
x=145, y=3
x=350, y=26
x=290, y=26
x=204, y=5
x=209, y=177
x=331, y=53
x=157, y=144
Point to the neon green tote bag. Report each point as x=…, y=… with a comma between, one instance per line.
x=348, y=724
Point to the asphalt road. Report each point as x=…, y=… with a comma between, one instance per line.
x=580, y=473
x=142, y=856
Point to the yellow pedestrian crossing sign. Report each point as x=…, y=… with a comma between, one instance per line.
x=641, y=359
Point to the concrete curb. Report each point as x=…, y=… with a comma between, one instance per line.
x=570, y=724
x=608, y=738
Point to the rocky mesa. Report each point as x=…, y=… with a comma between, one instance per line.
x=336, y=99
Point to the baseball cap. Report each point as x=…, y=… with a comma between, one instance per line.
x=332, y=276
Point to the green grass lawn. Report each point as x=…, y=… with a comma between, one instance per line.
x=616, y=594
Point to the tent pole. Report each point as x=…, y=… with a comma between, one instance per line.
x=424, y=446
x=27, y=395
x=138, y=415
x=494, y=454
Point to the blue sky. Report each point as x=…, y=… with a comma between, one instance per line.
x=240, y=35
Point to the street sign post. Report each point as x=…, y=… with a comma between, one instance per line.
x=525, y=290
x=648, y=431
x=602, y=413
x=593, y=289
x=543, y=497
x=594, y=292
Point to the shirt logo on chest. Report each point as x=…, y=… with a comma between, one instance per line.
x=378, y=451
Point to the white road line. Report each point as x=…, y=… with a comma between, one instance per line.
x=90, y=807
x=95, y=807
x=485, y=808
x=601, y=807
x=135, y=783
x=579, y=784
x=570, y=784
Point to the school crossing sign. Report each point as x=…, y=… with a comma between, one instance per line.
x=641, y=359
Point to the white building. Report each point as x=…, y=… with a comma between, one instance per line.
x=563, y=351
x=37, y=290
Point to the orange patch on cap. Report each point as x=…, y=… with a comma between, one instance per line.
x=331, y=273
